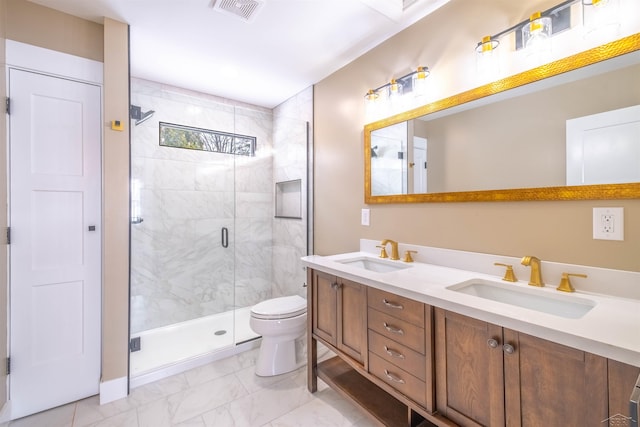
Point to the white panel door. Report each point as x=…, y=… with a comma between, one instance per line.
x=420, y=165
x=604, y=148
x=55, y=250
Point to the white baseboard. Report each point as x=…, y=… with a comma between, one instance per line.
x=5, y=412
x=113, y=390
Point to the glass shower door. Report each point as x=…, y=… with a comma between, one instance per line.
x=182, y=231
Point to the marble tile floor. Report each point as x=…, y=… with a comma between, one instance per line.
x=225, y=393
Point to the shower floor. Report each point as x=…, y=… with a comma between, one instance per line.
x=168, y=345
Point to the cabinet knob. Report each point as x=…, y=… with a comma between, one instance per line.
x=492, y=342
x=508, y=348
x=336, y=285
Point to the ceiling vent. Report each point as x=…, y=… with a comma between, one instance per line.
x=243, y=9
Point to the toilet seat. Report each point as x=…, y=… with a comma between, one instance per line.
x=280, y=308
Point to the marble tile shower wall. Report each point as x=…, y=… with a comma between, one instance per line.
x=290, y=163
x=179, y=269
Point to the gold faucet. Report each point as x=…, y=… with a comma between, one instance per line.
x=407, y=256
x=509, y=275
x=394, y=248
x=536, y=274
x=565, y=283
x=383, y=251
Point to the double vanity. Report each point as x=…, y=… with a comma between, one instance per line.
x=446, y=341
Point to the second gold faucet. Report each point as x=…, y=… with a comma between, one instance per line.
x=536, y=273
x=394, y=248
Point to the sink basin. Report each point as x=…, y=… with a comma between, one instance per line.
x=568, y=306
x=374, y=264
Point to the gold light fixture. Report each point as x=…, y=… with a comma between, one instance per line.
x=390, y=97
x=533, y=34
x=371, y=96
x=601, y=18
x=395, y=89
x=487, y=45
x=420, y=81
x=486, y=64
x=536, y=36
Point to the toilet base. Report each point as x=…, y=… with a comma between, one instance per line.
x=276, y=358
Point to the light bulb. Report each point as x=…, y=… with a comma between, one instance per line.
x=536, y=36
x=601, y=19
x=486, y=59
x=420, y=81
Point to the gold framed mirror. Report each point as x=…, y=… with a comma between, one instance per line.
x=617, y=57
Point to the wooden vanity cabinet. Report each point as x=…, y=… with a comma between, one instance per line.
x=340, y=314
x=407, y=363
x=401, y=345
x=377, y=367
x=492, y=376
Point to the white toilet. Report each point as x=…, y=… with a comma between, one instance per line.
x=280, y=321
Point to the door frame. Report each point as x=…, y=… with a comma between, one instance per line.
x=22, y=56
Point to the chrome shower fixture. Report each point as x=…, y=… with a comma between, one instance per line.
x=136, y=114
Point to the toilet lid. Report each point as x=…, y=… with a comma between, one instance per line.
x=280, y=308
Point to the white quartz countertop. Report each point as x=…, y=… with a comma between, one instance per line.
x=610, y=329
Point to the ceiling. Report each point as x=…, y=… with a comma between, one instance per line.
x=284, y=47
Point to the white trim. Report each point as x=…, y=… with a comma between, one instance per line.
x=5, y=412
x=29, y=57
x=113, y=390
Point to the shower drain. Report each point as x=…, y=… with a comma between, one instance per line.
x=220, y=332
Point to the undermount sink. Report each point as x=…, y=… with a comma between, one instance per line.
x=568, y=306
x=373, y=264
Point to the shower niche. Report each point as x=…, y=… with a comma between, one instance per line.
x=289, y=199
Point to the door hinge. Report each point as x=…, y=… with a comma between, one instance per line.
x=8, y=365
x=8, y=235
x=8, y=105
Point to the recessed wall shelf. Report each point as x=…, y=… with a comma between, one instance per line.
x=289, y=199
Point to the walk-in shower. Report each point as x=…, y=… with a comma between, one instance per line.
x=205, y=245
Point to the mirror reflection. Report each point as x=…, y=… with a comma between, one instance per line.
x=577, y=128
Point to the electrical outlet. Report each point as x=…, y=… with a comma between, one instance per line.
x=365, y=216
x=608, y=223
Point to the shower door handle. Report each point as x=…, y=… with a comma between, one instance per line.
x=225, y=237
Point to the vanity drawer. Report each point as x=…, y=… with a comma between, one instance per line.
x=398, y=330
x=401, y=356
x=399, y=379
x=395, y=305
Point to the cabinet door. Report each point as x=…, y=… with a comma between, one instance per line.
x=352, y=320
x=469, y=370
x=325, y=316
x=622, y=378
x=549, y=384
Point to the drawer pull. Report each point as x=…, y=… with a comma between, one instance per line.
x=393, y=377
x=393, y=329
x=393, y=353
x=391, y=304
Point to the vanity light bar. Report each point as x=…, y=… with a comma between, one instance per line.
x=405, y=82
x=559, y=15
